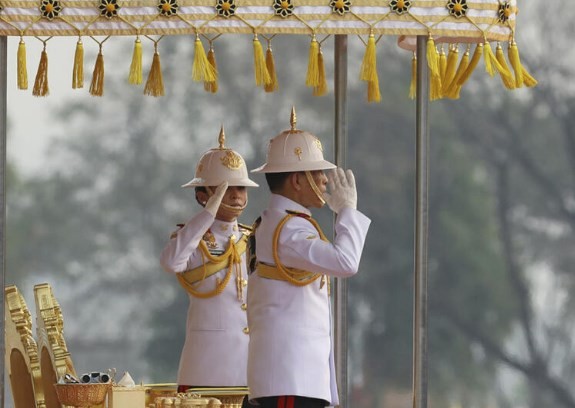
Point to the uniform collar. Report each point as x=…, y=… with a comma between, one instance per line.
x=282, y=203
x=224, y=228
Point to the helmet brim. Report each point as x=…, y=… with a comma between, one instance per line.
x=291, y=167
x=200, y=182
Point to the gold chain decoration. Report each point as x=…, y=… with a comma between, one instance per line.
x=289, y=275
x=231, y=257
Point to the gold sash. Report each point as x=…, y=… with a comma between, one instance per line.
x=213, y=264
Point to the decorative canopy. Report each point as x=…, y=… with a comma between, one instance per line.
x=443, y=21
x=479, y=19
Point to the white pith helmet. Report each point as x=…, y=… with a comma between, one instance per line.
x=221, y=164
x=294, y=150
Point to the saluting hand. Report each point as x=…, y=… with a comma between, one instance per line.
x=213, y=203
x=342, y=189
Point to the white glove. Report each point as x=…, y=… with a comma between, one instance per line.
x=343, y=193
x=213, y=203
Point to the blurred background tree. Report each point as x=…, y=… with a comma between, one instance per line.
x=501, y=208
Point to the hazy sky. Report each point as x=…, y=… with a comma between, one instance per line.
x=29, y=124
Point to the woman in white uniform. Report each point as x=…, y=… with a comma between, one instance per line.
x=208, y=255
x=290, y=358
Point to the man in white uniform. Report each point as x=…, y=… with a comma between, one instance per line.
x=208, y=255
x=290, y=358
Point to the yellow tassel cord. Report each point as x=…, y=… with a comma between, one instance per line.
x=155, y=83
x=369, y=71
x=450, y=68
x=321, y=89
x=202, y=70
x=522, y=77
x=434, y=70
x=212, y=87
x=97, y=85
x=271, y=67
x=472, y=64
x=135, y=77
x=41, y=87
x=262, y=75
x=312, y=76
x=507, y=79
x=413, y=83
x=452, y=91
x=21, y=67
x=442, y=63
x=78, y=70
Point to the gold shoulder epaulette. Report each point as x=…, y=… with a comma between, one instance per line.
x=298, y=213
x=245, y=229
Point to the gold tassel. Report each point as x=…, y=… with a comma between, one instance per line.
x=78, y=70
x=506, y=77
x=97, y=85
x=271, y=67
x=41, y=87
x=513, y=53
x=21, y=67
x=434, y=70
x=522, y=76
x=312, y=77
x=373, y=94
x=369, y=63
x=202, y=70
x=528, y=80
x=451, y=67
x=155, y=83
x=262, y=75
x=212, y=86
x=472, y=64
x=321, y=89
x=135, y=76
x=442, y=63
x=454, y=88
x=413, y=83
x=432, y=57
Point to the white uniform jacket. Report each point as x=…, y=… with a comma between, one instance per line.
x=291, y=350
x=216, y=345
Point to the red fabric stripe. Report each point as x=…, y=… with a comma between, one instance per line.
x=290, y=401
x=282, y=402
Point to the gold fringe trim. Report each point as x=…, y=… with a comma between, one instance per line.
x=369, y=62
x=21, y=67
x=212, y=87
x=312, y=76
x=78, y=70
x=202, y=70
x=271, y=67
x=97, y=85
x=135, y=77
x=434, y=70
x=41, y=87
x=262, y=75
x=155, y=83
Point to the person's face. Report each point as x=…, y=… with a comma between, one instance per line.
x=309, y=197
x=235, y=197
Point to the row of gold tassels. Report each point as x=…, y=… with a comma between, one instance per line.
x=447, y=77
